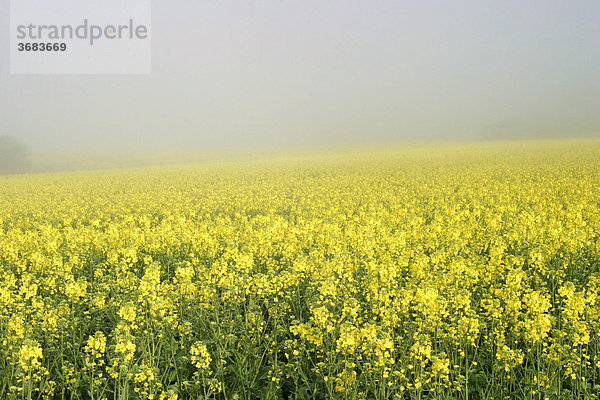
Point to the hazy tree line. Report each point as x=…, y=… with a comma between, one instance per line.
x=13, y=155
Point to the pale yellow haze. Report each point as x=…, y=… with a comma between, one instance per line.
x=238, y=74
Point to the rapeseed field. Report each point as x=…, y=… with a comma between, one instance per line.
x=463, y=271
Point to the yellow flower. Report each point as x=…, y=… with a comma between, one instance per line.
x=30, y=355
x=200, y=356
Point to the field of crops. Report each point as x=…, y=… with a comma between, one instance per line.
x=446, y=272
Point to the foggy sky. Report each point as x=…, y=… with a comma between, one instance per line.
x=287, y=73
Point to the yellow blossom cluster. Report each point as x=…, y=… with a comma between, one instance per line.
x=200, y=356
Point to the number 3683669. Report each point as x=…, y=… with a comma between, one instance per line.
x=42, y=46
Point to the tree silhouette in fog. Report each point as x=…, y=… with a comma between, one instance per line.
x=13, y=155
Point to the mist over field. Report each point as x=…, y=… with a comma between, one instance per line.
x=250, y=76
x=302, y=200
